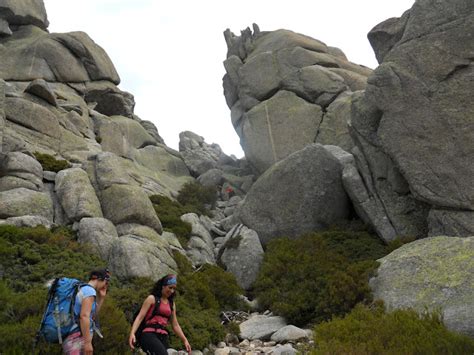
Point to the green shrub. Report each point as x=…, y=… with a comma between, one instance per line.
x=312, y=278
x=197, y=197
x=31, y=256
x=169, y=213
x=372, y=331
x=50, y=163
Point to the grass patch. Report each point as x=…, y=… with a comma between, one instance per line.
x=50, y=163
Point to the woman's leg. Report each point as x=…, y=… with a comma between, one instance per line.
x=152, y=345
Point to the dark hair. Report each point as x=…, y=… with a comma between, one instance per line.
x=157, y=287
x=100, y=274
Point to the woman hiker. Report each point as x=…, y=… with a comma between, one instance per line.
x=158, y=310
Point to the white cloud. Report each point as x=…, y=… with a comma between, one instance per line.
x=169, y=54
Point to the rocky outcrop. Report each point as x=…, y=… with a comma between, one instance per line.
x=76, y=194
x=59, y=97
x=23, y=12
x=241, y=254
x=281, y=87
x=413, y=126
x=284, y=201
x=434, y=274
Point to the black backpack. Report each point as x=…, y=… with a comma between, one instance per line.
x=143, y=324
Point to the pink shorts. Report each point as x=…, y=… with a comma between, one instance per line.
x=73, y=344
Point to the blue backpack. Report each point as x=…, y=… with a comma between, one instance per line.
x=58, y=318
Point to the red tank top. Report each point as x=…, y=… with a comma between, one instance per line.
x=161, y=317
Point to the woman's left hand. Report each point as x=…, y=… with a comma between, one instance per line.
x=188, y=347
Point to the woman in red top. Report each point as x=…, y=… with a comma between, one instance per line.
x=158, y=309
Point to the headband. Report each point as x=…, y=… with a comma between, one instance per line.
x=170, y=281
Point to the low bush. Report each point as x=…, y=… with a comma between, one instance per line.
x=198, y=197
x=370, y=330
x=310, y=279
x=50, y=163
x=169, y=213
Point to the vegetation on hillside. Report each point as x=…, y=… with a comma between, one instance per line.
x=371, y=330
x=192, y=198
x=32, y=256
x=315, y=277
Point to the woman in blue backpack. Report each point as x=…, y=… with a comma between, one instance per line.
x=89, y=300
x=157, y=311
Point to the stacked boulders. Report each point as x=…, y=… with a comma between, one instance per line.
x=59, y=97
x=285, y=91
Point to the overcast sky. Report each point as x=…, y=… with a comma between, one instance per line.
x=169, y=54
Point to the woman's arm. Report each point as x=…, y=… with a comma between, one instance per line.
x=178, y=331
x=149, y=301
x=85, y=323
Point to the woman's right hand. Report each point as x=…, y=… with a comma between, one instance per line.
x=132, y=341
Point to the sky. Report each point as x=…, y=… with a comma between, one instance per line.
x=169, y=54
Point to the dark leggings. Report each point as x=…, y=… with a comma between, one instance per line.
x=154, y=343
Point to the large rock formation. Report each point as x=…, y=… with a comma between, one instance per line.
x=286, y=91
x=300, y=194
x=435, y=274
x=413, y=127
x=59, y=96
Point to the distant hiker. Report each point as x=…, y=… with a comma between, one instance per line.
x=148, y=329
x=230, y=192
x=89, y=300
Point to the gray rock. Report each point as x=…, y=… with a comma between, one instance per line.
x=387, y=187
x=172, y=240
x=152, y=130
x=451, y=223
x=423, y=117
x=24, y=202
x=199, y=252
x=288, y=333
x=29, y=221
x=76, y=194
x=278, y=127
x=197, y=154
x=155, y=262
x=71, y=57
x=17, y=162
x=431, y=274
x=138, y=230
x=211, y=178
x=334, y=129
x=286, y=349
x=299, y=184
x=5, y=28
x=368, y=207
x=129, y=204
x=100, y=233
x=41, y=89
x=13, y=182
x=32, y=116
x=315, y=84
x=121, y=135
x=198, y=229
x=24, y=12
x=260, y=327
x=49, y=176
x=111, y=101
x=242, y=255
x=384, y=36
